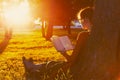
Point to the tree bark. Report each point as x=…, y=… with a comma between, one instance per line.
x=101, y=57
x=43, y=28
x=49, y=31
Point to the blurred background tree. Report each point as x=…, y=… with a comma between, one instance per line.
x=58, y=12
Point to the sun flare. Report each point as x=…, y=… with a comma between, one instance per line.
x=16, y=14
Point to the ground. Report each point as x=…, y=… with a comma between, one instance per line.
x=30, y=44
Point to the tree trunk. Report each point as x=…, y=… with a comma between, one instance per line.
x=43, y=28
x=49, y=30
x=101, y=57
x=68, y=26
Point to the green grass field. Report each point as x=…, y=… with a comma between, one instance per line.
x=28, y=44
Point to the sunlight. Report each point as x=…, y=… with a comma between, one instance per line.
x=16, y=14
x=38, y=21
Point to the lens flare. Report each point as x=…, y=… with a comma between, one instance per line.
x=17, y=14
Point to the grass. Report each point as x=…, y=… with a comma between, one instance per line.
x=31, y=45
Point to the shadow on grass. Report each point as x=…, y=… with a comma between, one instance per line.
x=4, y=44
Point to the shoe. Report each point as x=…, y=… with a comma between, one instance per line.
x=27, y=64
x=30, y=60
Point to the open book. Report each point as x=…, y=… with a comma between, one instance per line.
x=62, y=43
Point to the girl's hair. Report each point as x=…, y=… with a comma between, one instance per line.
x=86, y=12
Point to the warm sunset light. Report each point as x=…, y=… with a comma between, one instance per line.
x=16, y=13
x=38, y=22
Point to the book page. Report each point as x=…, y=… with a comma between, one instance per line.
x=57, y=43
x=66, y=43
